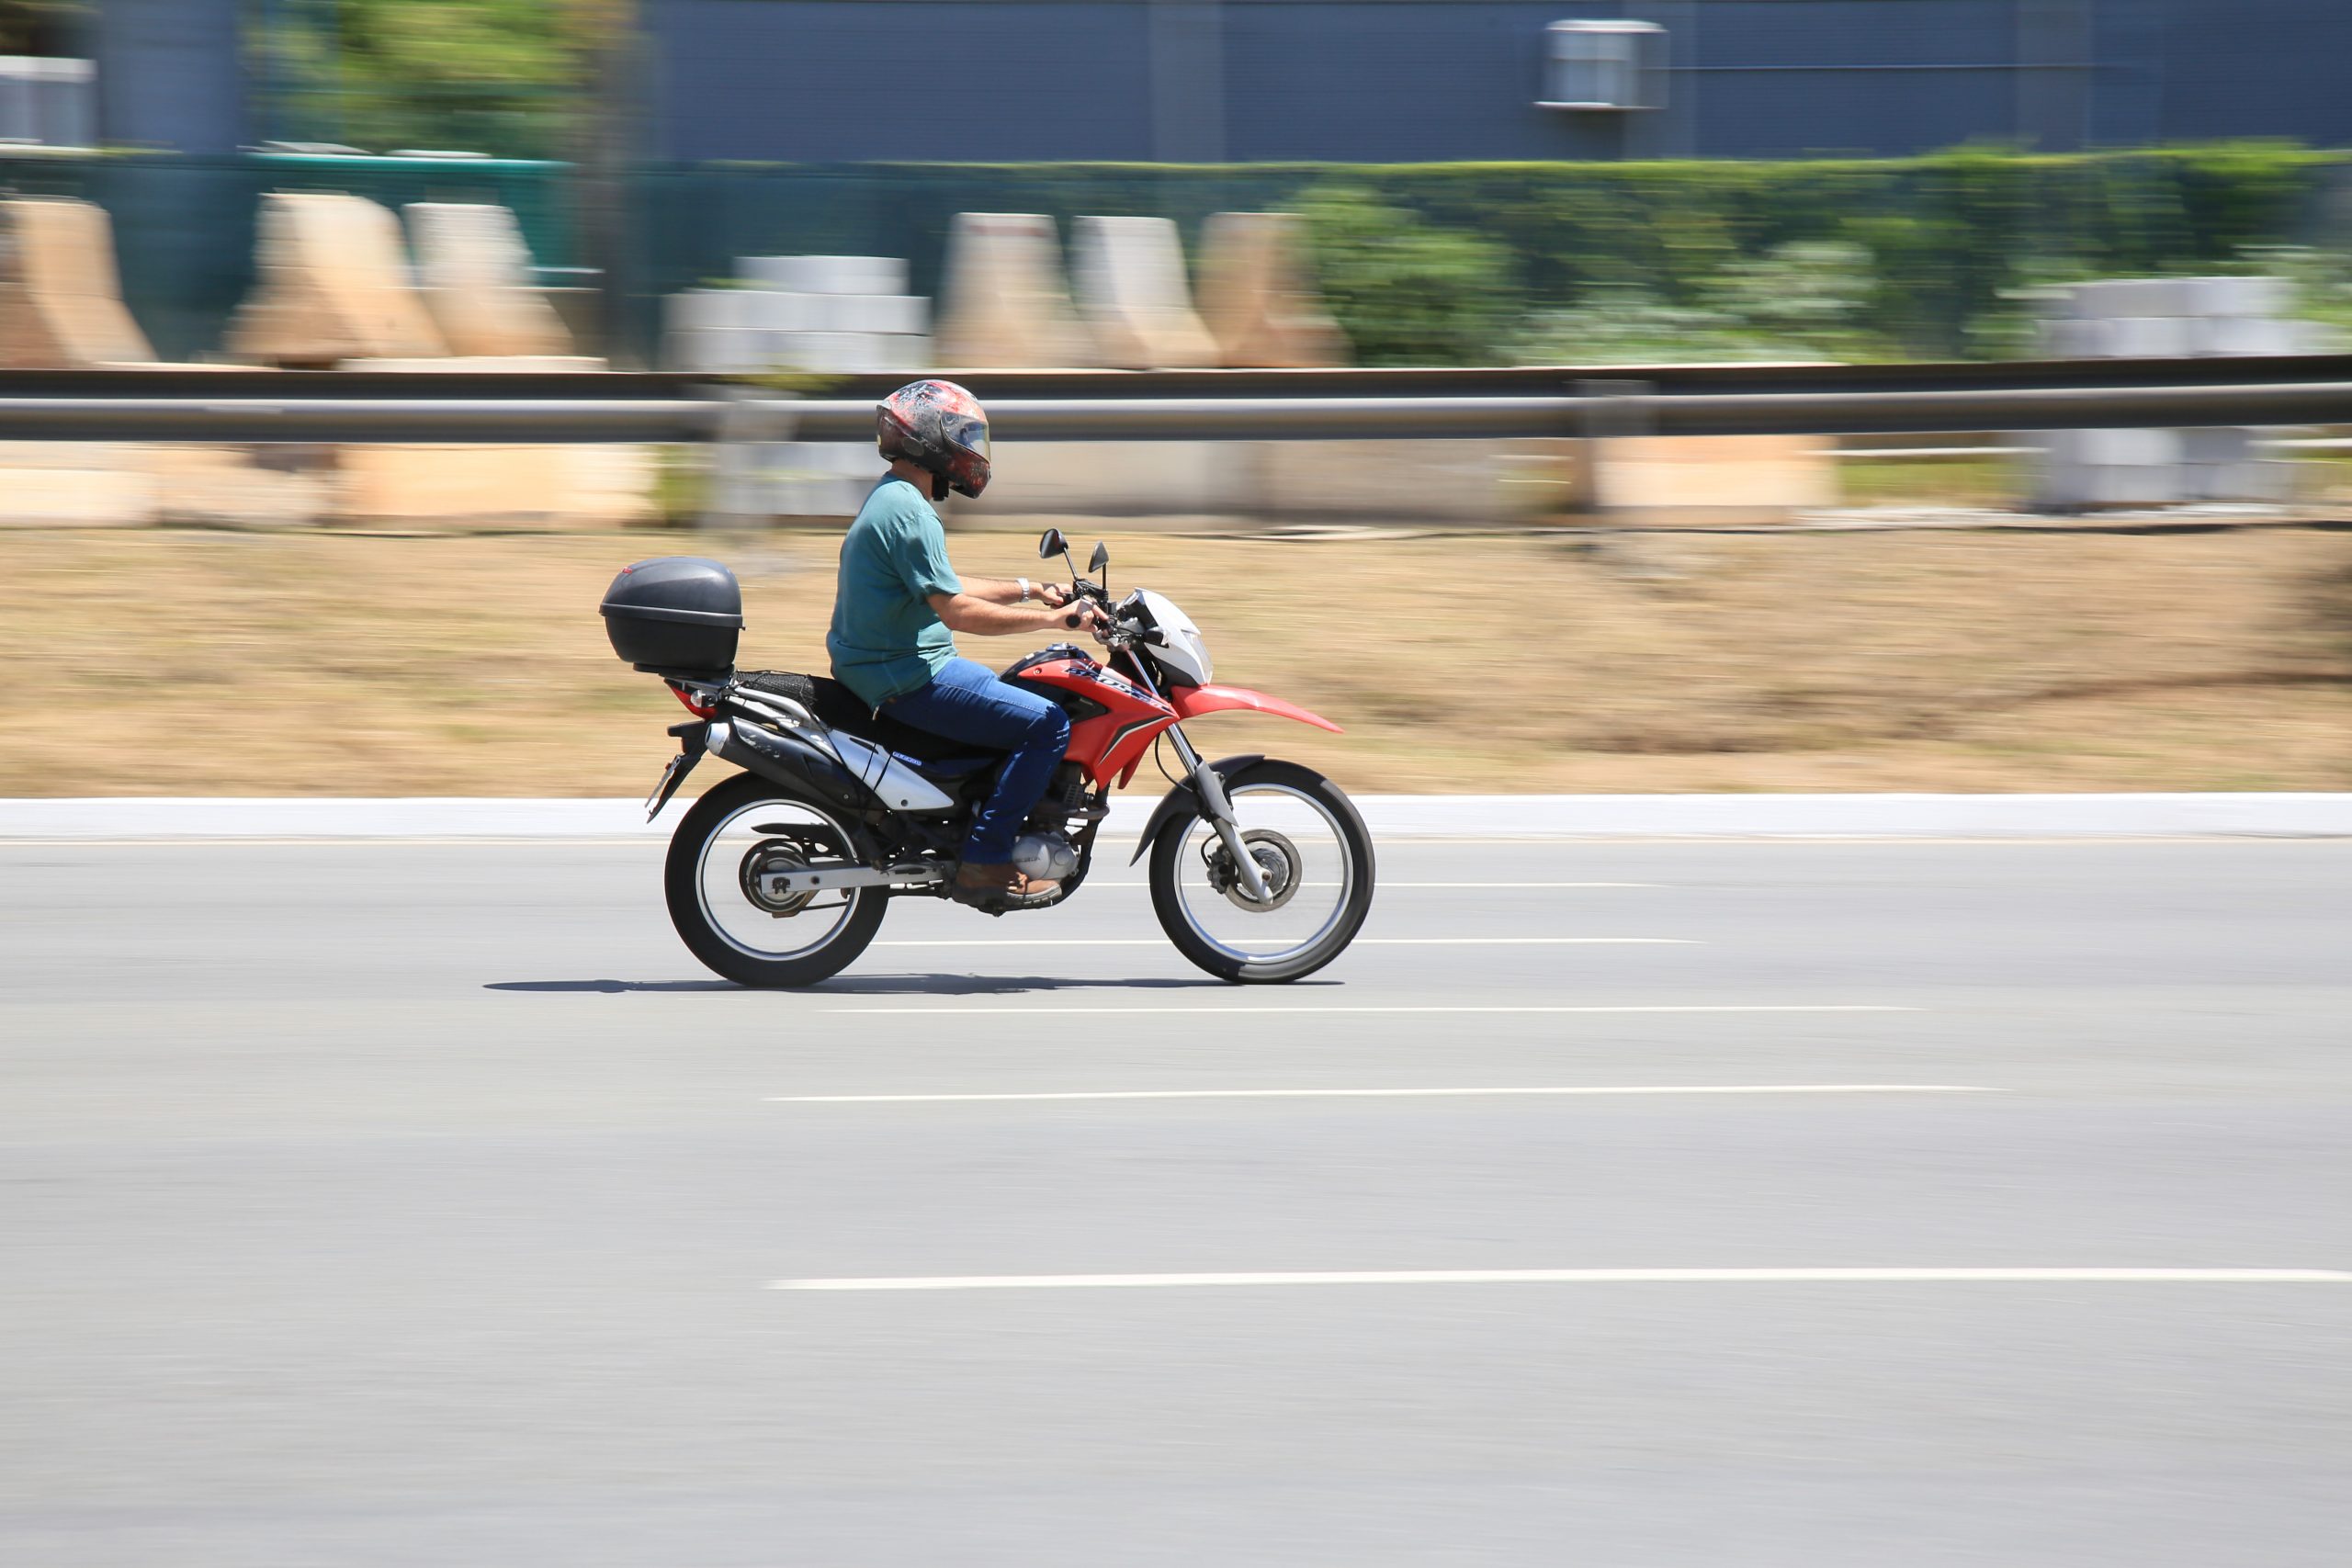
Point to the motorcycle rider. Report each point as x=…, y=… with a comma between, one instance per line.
x=898, y=601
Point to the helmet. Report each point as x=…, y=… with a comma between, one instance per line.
x=940, y=426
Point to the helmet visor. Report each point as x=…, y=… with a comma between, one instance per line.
x=968, y=433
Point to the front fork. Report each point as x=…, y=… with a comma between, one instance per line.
x=1209, y=784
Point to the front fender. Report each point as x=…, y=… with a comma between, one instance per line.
x=1184, y=801
x=1191, y=702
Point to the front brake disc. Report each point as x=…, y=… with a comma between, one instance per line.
x=1277, y=859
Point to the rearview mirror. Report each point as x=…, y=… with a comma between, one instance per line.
x=1099, y=560
x=1052, y=545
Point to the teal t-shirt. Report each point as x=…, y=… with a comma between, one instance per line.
x=886, y=641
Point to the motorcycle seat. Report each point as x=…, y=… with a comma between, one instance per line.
x=837, y=707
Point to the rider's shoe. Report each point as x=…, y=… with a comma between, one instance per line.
x=996, y=887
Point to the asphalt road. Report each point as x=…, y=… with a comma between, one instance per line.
x=410, y=1203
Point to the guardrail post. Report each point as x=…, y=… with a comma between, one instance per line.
x=747, y=422
x=1609, y=411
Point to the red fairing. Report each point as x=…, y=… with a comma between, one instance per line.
x=1191, y=702
x=1109, y=744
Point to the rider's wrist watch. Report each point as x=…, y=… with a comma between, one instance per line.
x=1024, y=590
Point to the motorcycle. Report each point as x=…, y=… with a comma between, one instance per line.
x=1261, y=870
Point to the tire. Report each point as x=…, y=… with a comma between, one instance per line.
x=1167, y=894
x=682, y=884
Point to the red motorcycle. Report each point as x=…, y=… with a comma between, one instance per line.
x=1261, y=870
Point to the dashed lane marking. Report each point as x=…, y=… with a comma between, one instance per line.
x=1387, y=1093
x=1359, y=942
x=1002, y=1010
x=1595, y=1277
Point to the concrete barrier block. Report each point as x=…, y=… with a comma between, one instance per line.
x=1256, y=298
x=478, y=283
x=1745, y=474
x=573, y=486
x=75, y=485
x=334, y=285
x=1005, y=306
x=61, y=294
x=1134, y=297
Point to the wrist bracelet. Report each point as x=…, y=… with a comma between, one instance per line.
x=1024, y=590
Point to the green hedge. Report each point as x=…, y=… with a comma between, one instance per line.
x=1949, y=235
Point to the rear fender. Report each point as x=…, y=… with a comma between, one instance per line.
x=1185, y=801
x=1191, y=702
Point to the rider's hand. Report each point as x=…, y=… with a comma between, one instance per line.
x=1054, y=593
x=1080, y=614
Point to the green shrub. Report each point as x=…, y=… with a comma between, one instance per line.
x=1404, y=292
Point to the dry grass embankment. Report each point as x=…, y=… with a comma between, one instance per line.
x=188, y=662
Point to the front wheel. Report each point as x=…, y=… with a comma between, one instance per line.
x=723, y=910
x=1314, y=854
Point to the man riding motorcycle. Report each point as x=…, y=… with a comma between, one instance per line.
x=898, y=601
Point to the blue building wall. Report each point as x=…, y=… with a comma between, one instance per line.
x=1408, y=80
x=171, y=74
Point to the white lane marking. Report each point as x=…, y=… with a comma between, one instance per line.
x=1596, y=1277
x=1359, y=942
x=1084, y=1011
x=1387, y=883
x=1390, y=1093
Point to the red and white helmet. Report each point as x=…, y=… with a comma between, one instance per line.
x=941, y=428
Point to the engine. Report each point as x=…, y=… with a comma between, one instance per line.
x=1049, y=856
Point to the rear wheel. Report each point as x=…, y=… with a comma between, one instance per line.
x=1311, y=849
x=745, y=827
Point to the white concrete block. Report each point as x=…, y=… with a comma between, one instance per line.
x=2245, y=297
x=708, y=309
x=702, y=353
x=2118, y=298
x=838, y=352
x=2225, y=335
x=2209, y=446
x=773, y=309
x=2112, y=449
x=2068, y=338
x=2148, y=337
x=2253, y=480
x=827, y=274
x=904, y=313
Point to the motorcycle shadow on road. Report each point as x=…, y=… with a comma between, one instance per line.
x=891, y=985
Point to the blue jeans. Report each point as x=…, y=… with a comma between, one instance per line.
x=966, y=702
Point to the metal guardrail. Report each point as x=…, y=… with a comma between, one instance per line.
x=533, y=386
x=1616, y=408
x=253, y=407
